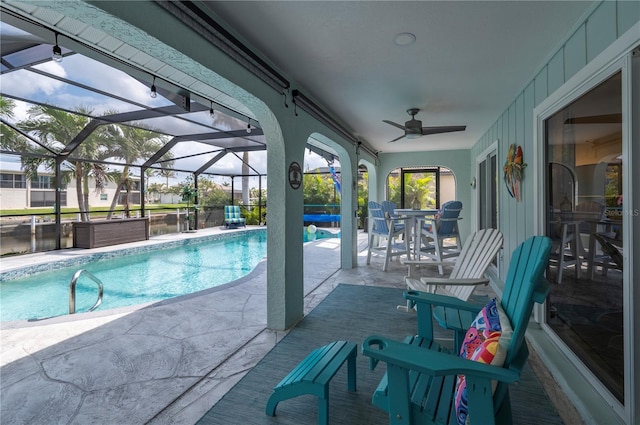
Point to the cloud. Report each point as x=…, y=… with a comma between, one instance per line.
x=26, y=84
x=53, y=68
x=95, y=74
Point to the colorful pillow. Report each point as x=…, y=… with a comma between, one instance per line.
x=486, y=341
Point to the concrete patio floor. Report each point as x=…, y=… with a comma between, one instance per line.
x=168, y=363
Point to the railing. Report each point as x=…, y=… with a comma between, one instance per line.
x=72, y=290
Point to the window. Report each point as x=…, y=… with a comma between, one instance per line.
x=583, y=147
x=134, y=198
x=42, y=182
x=421, y=187
x=46, y=198
x=12, y=181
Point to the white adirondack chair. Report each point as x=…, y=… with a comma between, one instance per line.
x=477, y=253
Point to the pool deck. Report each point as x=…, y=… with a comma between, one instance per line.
x=168, y=363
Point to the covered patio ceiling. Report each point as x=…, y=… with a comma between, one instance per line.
x=201, y=135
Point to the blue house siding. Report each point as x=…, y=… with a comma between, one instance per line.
x=607, y=22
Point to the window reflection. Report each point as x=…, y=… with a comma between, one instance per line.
x=584, y=207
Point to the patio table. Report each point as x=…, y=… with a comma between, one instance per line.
x=413, y=219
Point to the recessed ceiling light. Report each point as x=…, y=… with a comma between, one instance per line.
x=404, y=39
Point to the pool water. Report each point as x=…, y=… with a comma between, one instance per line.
x=319, y=234
x=134, y=279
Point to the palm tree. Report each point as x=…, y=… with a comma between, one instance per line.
x=10, y=139
x=55, y=129
x=6, y=107
x=167, y=173
x=130, y=143
x=148, y=173
x=245, y=178
x=225, y=122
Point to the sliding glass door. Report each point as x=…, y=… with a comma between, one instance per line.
x=584, y=217
x=421, y=187
x=487, y=189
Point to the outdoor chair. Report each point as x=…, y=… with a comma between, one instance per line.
x=389, y=208
x=567, y=250
x=425, y=383
x=468, y=271
x=612, y=257
x=385, y=235
x=436, y=229
x=233, y=217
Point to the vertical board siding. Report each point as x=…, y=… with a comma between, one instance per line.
x=519, y=140
x=575, y=53
x=601, y=29
x=540, y=84
x=627, y=15
x=510, y=134
x=555, y=71
x=529, y=104
x=608, y=21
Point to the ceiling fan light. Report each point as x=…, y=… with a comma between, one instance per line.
x=413, y=135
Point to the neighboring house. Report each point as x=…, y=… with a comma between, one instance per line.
x=18, y=192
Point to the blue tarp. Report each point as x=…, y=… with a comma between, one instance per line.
x=322, y=218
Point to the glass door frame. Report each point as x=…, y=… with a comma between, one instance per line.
x=419, y=170
x=486, y=157
x=568, y=93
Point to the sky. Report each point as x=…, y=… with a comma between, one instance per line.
x=30, y=85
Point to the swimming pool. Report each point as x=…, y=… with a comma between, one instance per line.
x=132, y=278
x=319, y=233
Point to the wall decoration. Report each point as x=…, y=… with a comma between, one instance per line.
x=295, y=175
x=514, y=171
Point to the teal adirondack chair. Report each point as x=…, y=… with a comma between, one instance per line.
x=419, y=385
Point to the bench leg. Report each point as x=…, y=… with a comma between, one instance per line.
x=323, y=409
x=351, y=372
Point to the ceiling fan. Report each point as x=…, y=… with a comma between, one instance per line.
x=414, y=129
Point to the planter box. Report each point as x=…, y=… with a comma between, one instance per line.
x=95, y=234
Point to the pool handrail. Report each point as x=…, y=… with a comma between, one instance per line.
x=72, y=290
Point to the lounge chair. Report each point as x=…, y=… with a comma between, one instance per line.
x=435, y=230
x=468, y=271
x=385, y=234
x=425, y=383
x=233, y=217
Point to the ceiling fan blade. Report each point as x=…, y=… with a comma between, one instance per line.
x=596, y=119
x=397, y=138
x=442, y=129
x=401, y=127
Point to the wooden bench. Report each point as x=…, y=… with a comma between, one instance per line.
x=312, y=376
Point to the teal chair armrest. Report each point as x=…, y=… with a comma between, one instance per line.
x=407, y=364
x=427, y=298
x=431, y=362
x=425, y=303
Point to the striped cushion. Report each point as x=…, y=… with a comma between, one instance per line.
x=232, y=214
